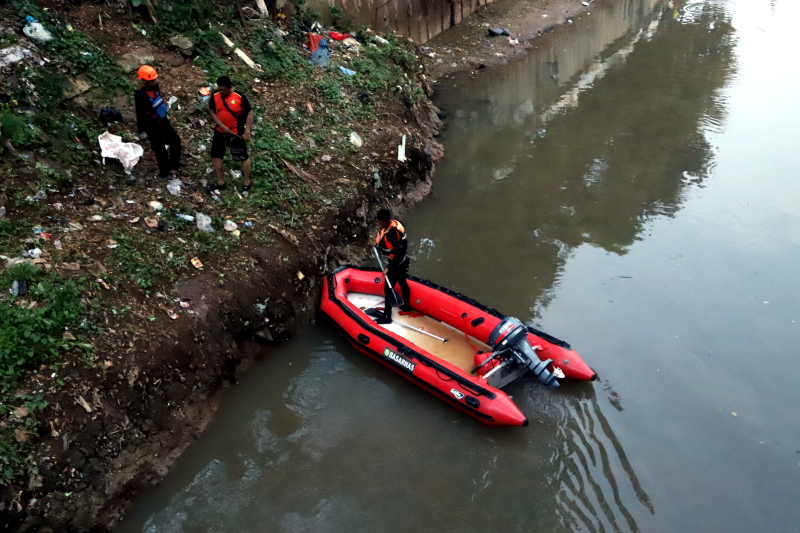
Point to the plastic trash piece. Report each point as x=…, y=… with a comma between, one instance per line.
x=513, y=42
x=19, y=287
x=204, y=223
x=13, y=54
x=355, y=139
x=313, y=41
x=336, y=36
x=321, y=57
x=230, y=225
x=377, y=177
x=2, y=211
x=260, y=309
x=36, y=253
x=381, y=40
x=171, y=101
x=58, y=244
x=196, y=262
x=174, y=187
x=401, y=150
x=190, y=218
x=236, y=174
x=326, y=158
x=36, y=32
x=112, y=146
x=110, y=114
x=497, y=32
x=155, y=205
x=347, y=71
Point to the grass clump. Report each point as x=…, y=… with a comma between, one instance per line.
x=31, y=326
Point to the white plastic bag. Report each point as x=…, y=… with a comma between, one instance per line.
x=230, y=225
x=355, y=139
x=113, y=147
x=204, y=223
x=36, y=31
x=174, y=187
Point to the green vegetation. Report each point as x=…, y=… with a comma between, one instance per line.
x=31, y=326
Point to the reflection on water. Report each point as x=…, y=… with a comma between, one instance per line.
x=585, y=141
x=343, y=467
x=573, y=200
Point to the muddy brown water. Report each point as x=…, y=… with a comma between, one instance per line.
x=629, y=187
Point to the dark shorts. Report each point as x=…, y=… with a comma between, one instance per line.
x=227, y=141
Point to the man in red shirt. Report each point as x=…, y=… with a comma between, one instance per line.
x=232, y=114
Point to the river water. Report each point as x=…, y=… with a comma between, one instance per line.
x=629, y=187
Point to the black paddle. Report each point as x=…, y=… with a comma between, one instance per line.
x=394, y=300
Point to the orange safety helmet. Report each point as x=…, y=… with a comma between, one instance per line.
x=147, y=73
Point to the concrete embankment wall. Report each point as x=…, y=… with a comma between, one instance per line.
x=420, y=20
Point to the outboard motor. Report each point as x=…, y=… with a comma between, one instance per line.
x=510, y=340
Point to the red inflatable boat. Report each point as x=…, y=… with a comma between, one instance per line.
x=450, y=345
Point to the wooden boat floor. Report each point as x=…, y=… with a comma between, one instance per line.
x=455, y=351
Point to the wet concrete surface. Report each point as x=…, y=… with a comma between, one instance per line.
x=629, y=187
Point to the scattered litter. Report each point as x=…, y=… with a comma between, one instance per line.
x=236, y=233
x=151, y=222
x=326, y=158
x=336, y=36
x=155, y=205
x=513, y=42
x=109, y=115
x=204, y=223
x=185, y=305
x=204, y=93
x=181, y=240
x=355, y=139
x=102, y=282
x=36, y=32
x=201, y=148
x=171, y=101
x=401, y=150
x=36, y=253
x=497, y=32
x=111, y=243
x=377, y=177
x=236, y=174
x=230, y=225
x=260, y=309
x=135, y=220
x=13, y=54
x=190, y=218
x=74, y=226
x=321, y=57
x=58, y=244
x=19, y=287
x=196, y=262
x=111, y=146
x=347, y=71
x=172, y=314
x=300, y=275
x=248, y=224
x=96, y=218
x=174, y=187
x=313, y=41
x=3, y=211
x=83, y=404
x=381, y=40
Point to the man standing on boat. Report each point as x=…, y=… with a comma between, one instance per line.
x=391, y=243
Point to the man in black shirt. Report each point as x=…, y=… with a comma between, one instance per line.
x=392, y=244
x=153, y=123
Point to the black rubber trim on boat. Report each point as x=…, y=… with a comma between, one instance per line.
x=525, y=423
x=408, y=352
x=467, y=300
x=442, y=394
